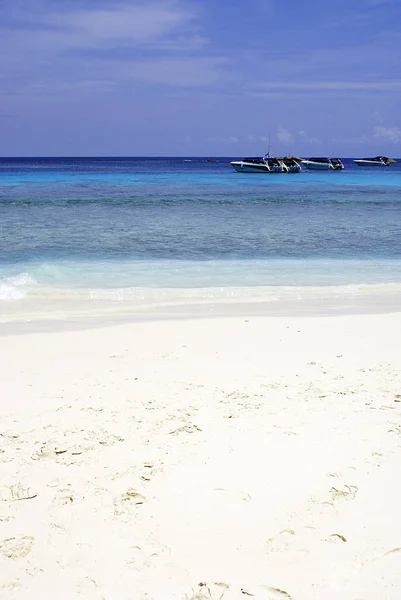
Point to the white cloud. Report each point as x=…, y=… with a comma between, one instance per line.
x=389, y=134
x=379, y=133
x=285, y=136
x=231, y=139
x=307, y=138
x=155, y=42
x=260, y=138
x=135, y=23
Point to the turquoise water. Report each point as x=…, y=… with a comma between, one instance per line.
x=89, y=236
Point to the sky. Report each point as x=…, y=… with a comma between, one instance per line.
x=200, y=77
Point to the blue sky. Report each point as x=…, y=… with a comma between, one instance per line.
x=200, y=77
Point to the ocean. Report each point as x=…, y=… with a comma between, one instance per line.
x=99, y=240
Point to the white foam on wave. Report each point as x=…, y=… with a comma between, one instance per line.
x=170, y=296
x=119, y=304
x=16, y=287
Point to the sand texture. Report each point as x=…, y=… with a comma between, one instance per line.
x=203, y=459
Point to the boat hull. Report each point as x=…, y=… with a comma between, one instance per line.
x=242, y=167
x=370, y=163
x=269, y=164
x=316, y=166
x=333, y=164
x=292, y=166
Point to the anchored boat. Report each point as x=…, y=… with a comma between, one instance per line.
x=267, y=164
x=377, y=161
x=323, y=163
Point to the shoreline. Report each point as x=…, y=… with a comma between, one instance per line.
x=42, y=314
x=203, y=459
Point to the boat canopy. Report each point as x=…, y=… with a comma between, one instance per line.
x=253, y=160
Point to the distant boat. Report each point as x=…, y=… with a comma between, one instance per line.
x=377, y=161
x=211, y=160
x=323, y=163
x=266, y=164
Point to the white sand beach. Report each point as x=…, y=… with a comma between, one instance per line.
x=216, y=458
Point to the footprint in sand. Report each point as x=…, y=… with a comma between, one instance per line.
x=16, y=492
x=346, y=492
x=219, y=590
x=295, y=543
x=274, y=593
x=335, y=538
x=282, y=541
x=208, y=591
x=125, y=504
x=88, y=588
x=64, y=496
x=143, y=556
x=48, y=452
x=379, y=576
x=266, y=592
x=16, y=547
x=321, y=512
x=138, y=559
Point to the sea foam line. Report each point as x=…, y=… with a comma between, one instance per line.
x=16, y=287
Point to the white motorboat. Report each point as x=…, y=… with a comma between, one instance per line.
x=266, y=164
x=323, y=163
x=377, y=161
x=250, y=165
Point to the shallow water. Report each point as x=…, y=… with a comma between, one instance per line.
x=93, y=237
